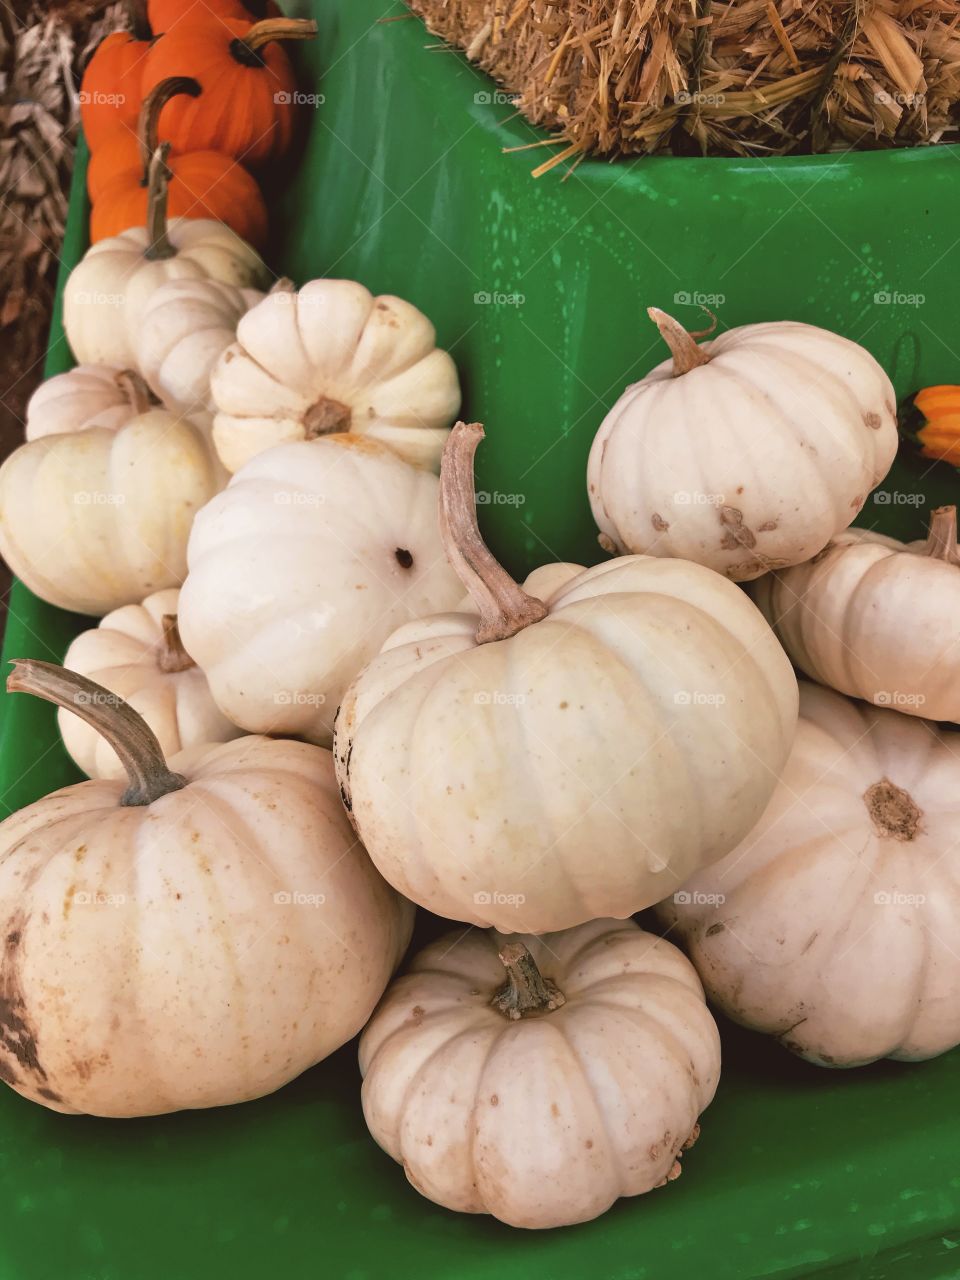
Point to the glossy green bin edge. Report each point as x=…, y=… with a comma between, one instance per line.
x=402, y=185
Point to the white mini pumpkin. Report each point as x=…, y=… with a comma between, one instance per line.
x=185, y=327
x=746, y=453
x=568, y=754
x=299, y=571
x=197, y=939
x=329, y=358
x=95, y=519
x=832, y=926
x=540, y=1079
x=107, y=292
x=876, y=618
x=136, y=653
x=91, y=395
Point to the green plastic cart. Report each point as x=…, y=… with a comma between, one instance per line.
x=539, y=288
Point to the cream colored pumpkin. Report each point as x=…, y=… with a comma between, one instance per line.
x=566, y=753
x=876, y=618
x=136, y=653
x=299, y=571
x=91, y=395
x=334, y=358
x=833, y=925
x=96, y=519
x=185, y=327
x=746, y=453
x=107, y=292
x=541, y=1084
x=197, y=940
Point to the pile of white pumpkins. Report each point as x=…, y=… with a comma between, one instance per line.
x=315, y=700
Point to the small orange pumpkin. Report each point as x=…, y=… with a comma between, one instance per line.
x=110, y=92
x=940, y=435
x=246, y=108
x=165, y=14
x=203, y=184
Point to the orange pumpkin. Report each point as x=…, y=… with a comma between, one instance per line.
x=165, y=14
x=110, y=91
x=202, y=184
x=940, y=435
x=246, y=108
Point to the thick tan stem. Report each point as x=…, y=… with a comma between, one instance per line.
x=504, y=607
x=171, y=655
x=526, y=991
x=117, y=723
x=686, y=354
x=326, y=417
x=941, y=541
x=246, y=49
x=149, y=119
x=283, y=285
x=135, y=389
x=158, y=180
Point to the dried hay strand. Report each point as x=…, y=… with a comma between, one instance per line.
x=745, y=77
x=43, y=46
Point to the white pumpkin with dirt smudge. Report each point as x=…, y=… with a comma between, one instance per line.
x=746, y=453
x=876, y=618
x=833, y=925
x=567, y=751
x=300, y=570
x=136, y=653
x=540, y=1079
x=196, y=938
x=332, y=357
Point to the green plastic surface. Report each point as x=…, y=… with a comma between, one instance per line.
x=402, y=184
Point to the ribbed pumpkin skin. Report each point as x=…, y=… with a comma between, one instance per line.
x=873, y=618
x=750, y=462
x=820, y=929
x=198, y=951
x=237, y=112
x=584, y=767
x=205, y=184
x=114, y=71
x=546, y=1120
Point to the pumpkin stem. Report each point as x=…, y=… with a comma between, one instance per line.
x=158, y=180
x=941, y=541
x=135, y=389
x=283, y=285
x=893, y=811
x=326, y=417
x=526, y=991
x=149, y=118
x=504, y=607
x=171, y=655
x=117, y=723
x=136, y=11
x=246, y=49
x=686, y=354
